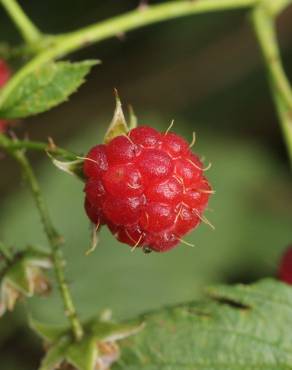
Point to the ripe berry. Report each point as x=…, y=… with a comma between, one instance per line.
x=4, y=77
x=3, y=125
x=4, y=73
x=147, y=187
x=285, y=268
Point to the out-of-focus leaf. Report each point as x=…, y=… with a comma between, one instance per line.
x=44, y=88
x=237, y=327
x=118, y=125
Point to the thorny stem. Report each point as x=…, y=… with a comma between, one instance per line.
x=28, y=30
x=264, y=25
x=54, y=238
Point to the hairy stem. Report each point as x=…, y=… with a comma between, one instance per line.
x=53, y=236
x=281, y=90
x=64, y=44
x=28, y=30
x=55, y=241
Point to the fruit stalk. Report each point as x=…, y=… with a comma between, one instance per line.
x=28, y=30
x=63, y=44
x=264, y=26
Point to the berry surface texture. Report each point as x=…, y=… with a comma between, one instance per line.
x=147, y=187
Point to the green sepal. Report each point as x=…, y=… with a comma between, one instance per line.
x=118, y=126
x=74, y=168
x=133, y=120
x=23, y=277
x=55, y=355
x=110, y=331
x=83, y=354
x=50, y=333
x=37, y=257
x=17, y=276
x=44, y=88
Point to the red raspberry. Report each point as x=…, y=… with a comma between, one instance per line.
x=5, y=74
x=3, y=126
x=148, y=187
x=285, y=268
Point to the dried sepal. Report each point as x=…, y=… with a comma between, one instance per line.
x=24, y=277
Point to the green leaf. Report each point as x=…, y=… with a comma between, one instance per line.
x=45, y=88
x=118, y=125
x=236, y=328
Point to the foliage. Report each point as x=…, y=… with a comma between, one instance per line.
x=44, y=88
x=232, y=329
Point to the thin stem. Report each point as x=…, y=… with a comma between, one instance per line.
x=40, y=146
x=276, y=7
x=55, y=241
x=54, y=238
x=28, y=30
x=264, y=26
x=67, y=43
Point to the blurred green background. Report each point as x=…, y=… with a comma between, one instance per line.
x=206, y=73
